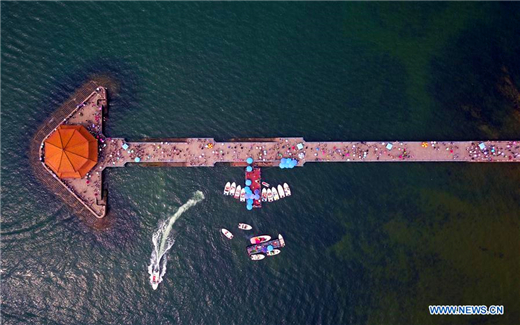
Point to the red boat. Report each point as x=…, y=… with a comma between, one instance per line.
x=260, y=239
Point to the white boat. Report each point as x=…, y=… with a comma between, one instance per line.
x=269, y=195
x=264, y=195
x=280, y=191
x=232, y=189
x=244, y=226
x=265, y=184
x=227, y=188
x=243, y=195
x=260, y=239
x=275, y=194
x=273, y=252
x=227, y=233
x=237, y=192
x=257, y=257
x=287, y=189
x=281, y=240
x=155, y=277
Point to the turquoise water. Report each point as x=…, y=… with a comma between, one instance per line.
x=366, y=244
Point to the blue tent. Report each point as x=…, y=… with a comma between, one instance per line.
x=124, y=146
x=270, y=248
x=137, y=159
x=249, y=169
x=249, y=160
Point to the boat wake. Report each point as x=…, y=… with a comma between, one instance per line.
x=163, y=240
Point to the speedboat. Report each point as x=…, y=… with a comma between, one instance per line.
x=227, y=233
x=280, y=191
x=273, y=252
x=281, y=240
x=264, y=195
x=243, y=195
x=287, y=189
x=244, y=226
x=257, y=257
x=227, y=188
x=232, y=189
x=155, y=277
x=275, y=194
x=260, y=239
x=265, y=184
x=269, y=195
x=237, y=192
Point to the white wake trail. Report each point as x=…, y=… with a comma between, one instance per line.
x=162, y=240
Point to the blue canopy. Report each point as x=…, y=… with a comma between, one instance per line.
x=270, y=248
x=249, y=168
x=247, y=188
x=137, y=159
x=249, y=207
x=249, y=160
x=248, y=182
x=124, y=146
x=257, y=197
x=249, y=201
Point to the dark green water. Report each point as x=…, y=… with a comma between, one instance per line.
x=366, y=243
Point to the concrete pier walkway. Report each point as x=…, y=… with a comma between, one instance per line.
x=205, y=152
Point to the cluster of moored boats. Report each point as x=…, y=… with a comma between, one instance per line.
x=275, y=193
x=268, y=194
x=261, y=246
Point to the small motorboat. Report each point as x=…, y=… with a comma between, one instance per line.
x=155, y=277
x=280, y=191
x=237, y=192
x=275, y=194
x=260, y=239
x=243, y=195
x=273, y=252
x=269, y=195
x=232, y=189
x=227, y=233
x=257, y=257
x=281, y=240
x=227, y=188
x=266, y=184
x=286, y=189
x=264, y=195
x=244, y=226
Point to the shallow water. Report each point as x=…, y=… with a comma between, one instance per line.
x=366, y=243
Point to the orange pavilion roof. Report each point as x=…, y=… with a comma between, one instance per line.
x=71, y=151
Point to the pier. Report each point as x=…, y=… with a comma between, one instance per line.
x=90, y=111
